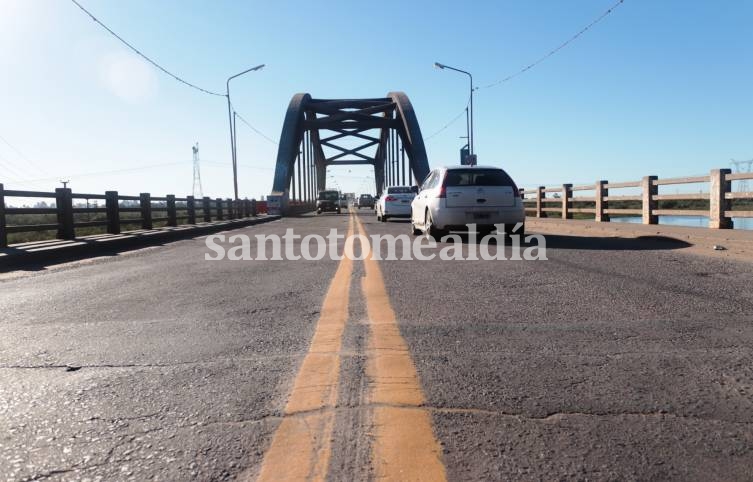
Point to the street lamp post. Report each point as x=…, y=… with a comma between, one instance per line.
x=469, y=128
x=230, y=121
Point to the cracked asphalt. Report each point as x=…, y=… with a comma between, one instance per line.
x=616, y=359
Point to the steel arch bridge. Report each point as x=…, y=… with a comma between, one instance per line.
x=318, y=133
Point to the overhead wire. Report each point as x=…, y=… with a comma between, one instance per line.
x=533, y=64
x=248, y=124
x=446, y=126
x=7, y=166
x=558, y=48
x=102, y=173
x=11, y=166
x=142, y=55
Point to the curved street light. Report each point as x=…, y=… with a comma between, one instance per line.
x=230, y=120
x=470, y=76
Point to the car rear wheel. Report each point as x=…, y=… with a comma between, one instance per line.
x=431, y=230
x=414, y=231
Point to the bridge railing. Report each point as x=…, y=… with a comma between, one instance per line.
x=642, y=198
x=66, y=213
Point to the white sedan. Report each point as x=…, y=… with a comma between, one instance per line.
x=395, y=203
x=451, y=198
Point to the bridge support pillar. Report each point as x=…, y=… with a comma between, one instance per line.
x=3, y=232
x=567, y=196
x=539, y=201
x=230, y=209
x=718, y=202
x=113, y=212
x=191, y=209
x=648, y=191
x=172, y=215
x=206, y=207
x=321, y=177
x=600, y=192
x=64, y=203
x=145, y=202
x=220, y=216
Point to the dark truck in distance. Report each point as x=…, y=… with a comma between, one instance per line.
x=365, y=201
x=328, y=201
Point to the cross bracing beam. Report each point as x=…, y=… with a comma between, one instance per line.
x=312, y=124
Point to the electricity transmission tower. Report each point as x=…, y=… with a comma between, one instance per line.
x=742, y=167
x=198, y=193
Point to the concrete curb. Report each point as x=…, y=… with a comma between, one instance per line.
x=19, y=255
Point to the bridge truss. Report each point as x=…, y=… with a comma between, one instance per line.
x=318, y=133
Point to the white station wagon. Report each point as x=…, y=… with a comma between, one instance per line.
x=395, y=203
x=453, y=197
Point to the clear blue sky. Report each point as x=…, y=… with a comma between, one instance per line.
x=658, y=87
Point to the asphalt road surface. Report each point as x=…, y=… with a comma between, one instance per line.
x=615, y=359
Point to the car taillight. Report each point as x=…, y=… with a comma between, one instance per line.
x=442, y=191
x=390, y=199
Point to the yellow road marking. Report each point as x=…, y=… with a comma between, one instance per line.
x=405, y=448
x=301, y=446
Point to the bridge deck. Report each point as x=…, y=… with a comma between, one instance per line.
x=618, y=358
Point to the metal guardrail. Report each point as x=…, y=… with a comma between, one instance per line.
x=170, y=210
x=719, y=195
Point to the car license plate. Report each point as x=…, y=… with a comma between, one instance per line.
x=404, y=201
x=480, y=215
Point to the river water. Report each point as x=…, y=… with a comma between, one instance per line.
x=692, y=221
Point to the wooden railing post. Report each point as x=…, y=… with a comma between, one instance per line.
x=172, y=214
x=230, y=208
x=246, y=208
x=648, y=206
x=191, y=209
x=252, y=206
x=207, y=208
x=3, y=232
x=718, y=203
x=64, y=205
x=145, y=201
x=219, y=209
x=113, y=212
x=567, y=196
x=600, y=192
x=539, y=201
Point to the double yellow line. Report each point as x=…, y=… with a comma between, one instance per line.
x=404, y=446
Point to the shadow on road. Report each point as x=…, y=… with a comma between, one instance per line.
x=640, y=243
x=594, y=243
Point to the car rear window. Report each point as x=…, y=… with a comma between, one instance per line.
x=328, y=196
x=478, y=177
x=399, y=190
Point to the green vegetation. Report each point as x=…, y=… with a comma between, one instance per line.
x=36, y=219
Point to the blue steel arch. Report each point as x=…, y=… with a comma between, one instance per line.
x=330, y=122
